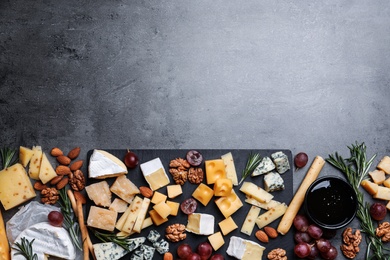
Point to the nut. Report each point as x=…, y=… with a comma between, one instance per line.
x=175, y=232
x=271, y=232
x=74, y=153
x=62, y=183
x=277, y=254
x=77, y=180
x=195, y=175
x=383, y=231
x=62, y=170
x=351, y=242
x=146, y=191
x=56, y=152
x=64, y=160
x=79, y=197
x=168, y=256
x=56, y=180
x=262, y=236
x=180, y=177
x=38, y=185
x=49, y=196
x=76, y=165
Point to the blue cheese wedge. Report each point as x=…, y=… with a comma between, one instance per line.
x=109, y=250
x=153, y=236
x=200, y=224
x=273, y=182
x=155, y=174
x=104, y=165
x=137, y=255
x=161, y=246
x=147, y=252
x=134, y=243
x=266, y=165
x=281, y=162
x=244, y=249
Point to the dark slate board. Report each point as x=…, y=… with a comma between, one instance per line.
x=240, y=156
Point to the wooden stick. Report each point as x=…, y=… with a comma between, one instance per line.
x=84, y=231
x=296, y=202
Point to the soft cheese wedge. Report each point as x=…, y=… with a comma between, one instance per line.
x=155, y=174
x=15, y=186
x=49, y=240
x=200, y=224
x=104, y=165
x=244, y=249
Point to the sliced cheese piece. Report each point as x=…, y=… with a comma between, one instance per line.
x=25, y=155
x=162, y=209
x=266, y=165
x=377, y=176
x=203, y=194
x=215, y=169
x=35, y=163
x=200, y=223
x=156, y=218
x=158, y=197
x=124, y=188
x=15, y=186
x=99, y=193
x=109, y=250
x=102, y=218
x=104, y=165
x=174, y=207
x=4, y=244
x=216, y=240
x=382, y=194
x=244, y=249
x=256, y=192
x=271, y=215
x=266, y=206
x=386, y=183
x=46, y=170
x=147, y=223
x=227, y=225
x=369, y=186
x=141, y=215
x=384, y=164
x=118, y=205
x=174, y=190
x=135, y=208
x=249, y=222
x=229, y=204
x=155, y=174
x=230, y=168
x=121, y=221
x=48, y=240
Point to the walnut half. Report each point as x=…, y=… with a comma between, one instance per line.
x=175, y=232
x=277, y=254
x=351, y=242
x=383, y=231
x=77, y=180
x=49, y=196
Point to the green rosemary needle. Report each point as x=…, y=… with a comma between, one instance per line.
x=7, y=157
x=253, y=161
x=111, y=237
x=25, y=249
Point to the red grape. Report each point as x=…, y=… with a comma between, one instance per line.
x=331, y=254
x=194, y=256
x=217, y=257
x=204, y=250
x=55, y=218
x=301, y=223
x=313, y=252
x=300, y=160
x=131, y=160
x=194, y=158
x=302, y=237
x=314, y=231
x=323, y=245
x=184, y=251
x=302, y=250
x=189, y=206
x=378, y=211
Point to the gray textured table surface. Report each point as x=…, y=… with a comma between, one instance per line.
x=307, y=76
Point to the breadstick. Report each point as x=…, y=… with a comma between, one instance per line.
x=84, y=231
x=72, y=201
x=296, y=202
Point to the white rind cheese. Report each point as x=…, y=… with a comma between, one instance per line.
x=266, y=165
x=201, y=224
x=155, y=174
x=281, y=162
x=109, y=250
x=49, y=240
x=273, y=182
x=244, y=249
x=104, y=165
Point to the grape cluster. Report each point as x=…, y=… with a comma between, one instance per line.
x=312, y=241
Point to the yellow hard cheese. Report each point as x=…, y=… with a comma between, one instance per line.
x=271, y=215
x=158, y=197
x=250, y=219
x=156, y=218
x=35, y=163
x=383, y=193
x=174, y=191
x=154, y=173
x=141, y=215
x=223, y=187
x=46, y=171
x=384, y=164
x=124, y=188
x=266, y=206
x=162, y=209
x=227, y=225
x=216, y=240
x=99, y=193
x=229, y=204
x=174, y=207
x=4, y=246
x=203, y=194
x=25, y=155
x=256, y=192
x=135, y=208
x=102, y=218
x=230, y=168
x=215, y=169
x=15, y=186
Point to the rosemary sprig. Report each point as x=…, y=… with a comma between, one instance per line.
x=7, y=157
x=111, y=237
x=356, y=168
x=254, y=160
x=25, y=249
x=70, y=224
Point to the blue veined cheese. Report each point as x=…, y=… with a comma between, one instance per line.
x=273, y=182
x=109, y=250
x=244, y=249
x=266, y=165
x=161, y=246
x=153, y=236
x=281, y=162
x=137, y=255
x=134, y=243
x=148, y=252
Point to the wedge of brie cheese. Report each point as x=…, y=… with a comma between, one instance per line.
x=200, y=224
x=244, y=249
x=155, y=174
x=104, y=165
x=49, y=240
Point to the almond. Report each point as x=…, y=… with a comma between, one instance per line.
x=262, y=236
x=74, y=153
x=56, y=180
x=79, y=197
x=64, y=160
x=56, y=152
x=168, y=256
x=146, y=191
x=38, y=185
x=62, y=170
x=271, y=232
x=76, y=165
x=62, y=183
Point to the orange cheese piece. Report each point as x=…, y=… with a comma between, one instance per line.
x=203, y=194
x=223, y=187
x=215, y=169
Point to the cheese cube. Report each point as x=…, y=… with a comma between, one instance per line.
x=386, y=183
x=124, y=188
x=46, y=171
x=103, y=165
x=200, y=224
x=271, y=215
x=216, y=240
x=256, y=192
x=384, y=164
x=223, y=187
x=230, y=168
x=227, y=225
x=377, y=176
x=174, y=207
x=35, y=163
x=154, y=173
x=215, y=169
x=118, y=205
x=25, y=155
x=174, y=191
x=99, y=193
x=370, y=187
x=158, y=197
x=382, y=194
x=162, y=209
x=388, y=205
x=203, y=194
x=249, y=222
x=229, y=204
x=15, y=186
x=156, y=218
x=101, y=218
x=273, y=182
x=281, y=162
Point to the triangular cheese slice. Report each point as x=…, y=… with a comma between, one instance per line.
x=104, y=165
x=35, y=163
x=25, y=155
x=46, y=171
